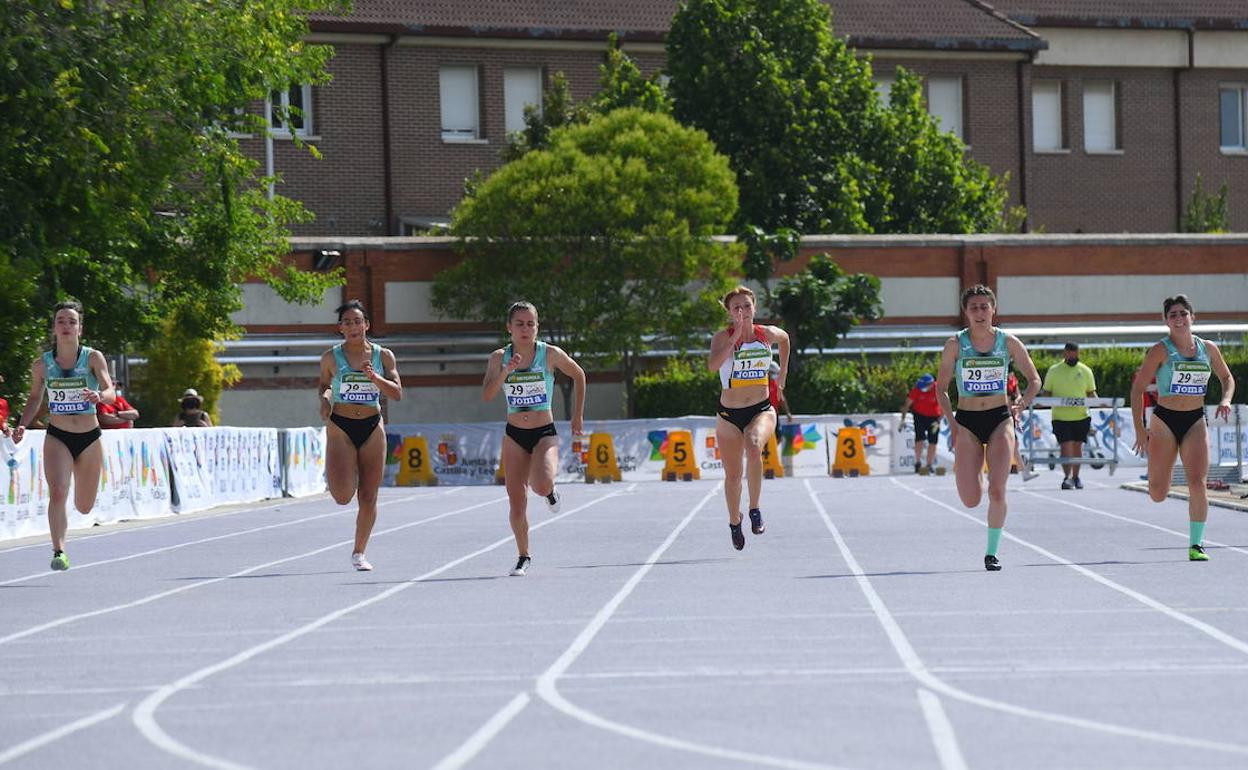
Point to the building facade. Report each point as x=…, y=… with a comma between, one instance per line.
x=1102, y=114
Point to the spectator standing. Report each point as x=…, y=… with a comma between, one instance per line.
x=192, y=414
x=1070, y=378
x=925, y=407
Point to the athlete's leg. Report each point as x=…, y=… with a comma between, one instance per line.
x=544, y=466
x=58, y=466
x=87, y=470
x=372, y=465
x=341, y=464
x=1195, y=455
x=1000, y=452
x=756, y=433
x=968, y=466
x=731, y=443
x=517, y=462
x=1162, y=451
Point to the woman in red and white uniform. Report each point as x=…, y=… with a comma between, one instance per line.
x=742, y=354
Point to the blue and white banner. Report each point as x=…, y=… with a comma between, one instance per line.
x=303, y=461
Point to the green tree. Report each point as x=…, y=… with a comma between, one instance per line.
x=123, y=182
x=1206, y=213
x=620, y=84
x=609, y=232
x=821, y=304
x=797, y=113
x=176, y=362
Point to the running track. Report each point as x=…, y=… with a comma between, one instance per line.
x=860, y=631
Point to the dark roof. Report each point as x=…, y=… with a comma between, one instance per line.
x=1141, y=14
x=942, y=24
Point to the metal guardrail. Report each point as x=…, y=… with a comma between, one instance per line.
x=1030, y=454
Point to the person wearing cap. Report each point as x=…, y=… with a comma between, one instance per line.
x=192, y=414
x=1070, y=379
x=923, y=404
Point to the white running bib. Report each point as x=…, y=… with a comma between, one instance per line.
x=749, y=367
x=68, y=395
x=525, y=390
x=356, y=388
x=983, y=376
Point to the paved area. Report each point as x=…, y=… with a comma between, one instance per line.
x=860, y=631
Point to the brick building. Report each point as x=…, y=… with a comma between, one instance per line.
x=1102, y=112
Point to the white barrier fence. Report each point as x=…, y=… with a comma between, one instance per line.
x=159, y=471
x=155, y=472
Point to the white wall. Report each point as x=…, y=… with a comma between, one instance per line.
x=1060, y=294
x=919, y=296
x=409, y=302
x=263, y=306
x=1113, y=47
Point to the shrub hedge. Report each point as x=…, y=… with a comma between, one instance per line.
x=845, y=385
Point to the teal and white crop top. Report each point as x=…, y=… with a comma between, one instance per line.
x=1183, y=376
x=982, y=374
x=529, y=390
x=65, y=387
x=351, y=386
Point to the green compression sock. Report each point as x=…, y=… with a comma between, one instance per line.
x=1195, y=532
x=994, y=540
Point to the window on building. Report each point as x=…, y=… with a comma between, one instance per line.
x=522, y=86
x=293, y=105
x=460, y=114
x=944, y=101
x=1046, y=116
x=1100, y=116
x=1233, y=119
x=884, y=86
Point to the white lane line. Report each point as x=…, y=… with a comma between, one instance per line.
x=548, y=688
x=39, y=741
x=175, y=519
x=477, y=741
x=1130, y=520
x=1212, y=631
x=144, y=715
x=943, y=735
x=210, y=581
x=919, y=670
x=341, y=510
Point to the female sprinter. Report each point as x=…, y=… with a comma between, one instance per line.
x=1182, y=363
x=75, y=379
x=979, y=356
x=742, y=354
x=524, y=371
x=354, y=375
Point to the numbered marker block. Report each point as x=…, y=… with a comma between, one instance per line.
x=680, y=461
x=601, y=465
x=851, y=454
x=772, y=467
x=415, y=466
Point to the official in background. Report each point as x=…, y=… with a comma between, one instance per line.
x=1070, y=378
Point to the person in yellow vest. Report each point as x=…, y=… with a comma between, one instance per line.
x=978, y=359
x=355, y=374
x=524, y=372
x=1183, y=365
x=741, y=354
x=1070, y=378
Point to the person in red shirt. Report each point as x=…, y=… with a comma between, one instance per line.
x=119, y=414
x=922, y=402
x=4, y=411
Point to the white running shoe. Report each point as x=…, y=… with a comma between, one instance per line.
x=522, y=566
x=360, y=563
x=553, y=501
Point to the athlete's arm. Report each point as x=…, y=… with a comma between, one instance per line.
x=495, y=372
x=33, y=401
x=948, y=356
x=1148, y=370
x=323, y=395
x=1027, y=368
x=721, y=349
x=107, y=393
x=1218, y=364
x=780, y=337
x=564, y=363
x=390, y=383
